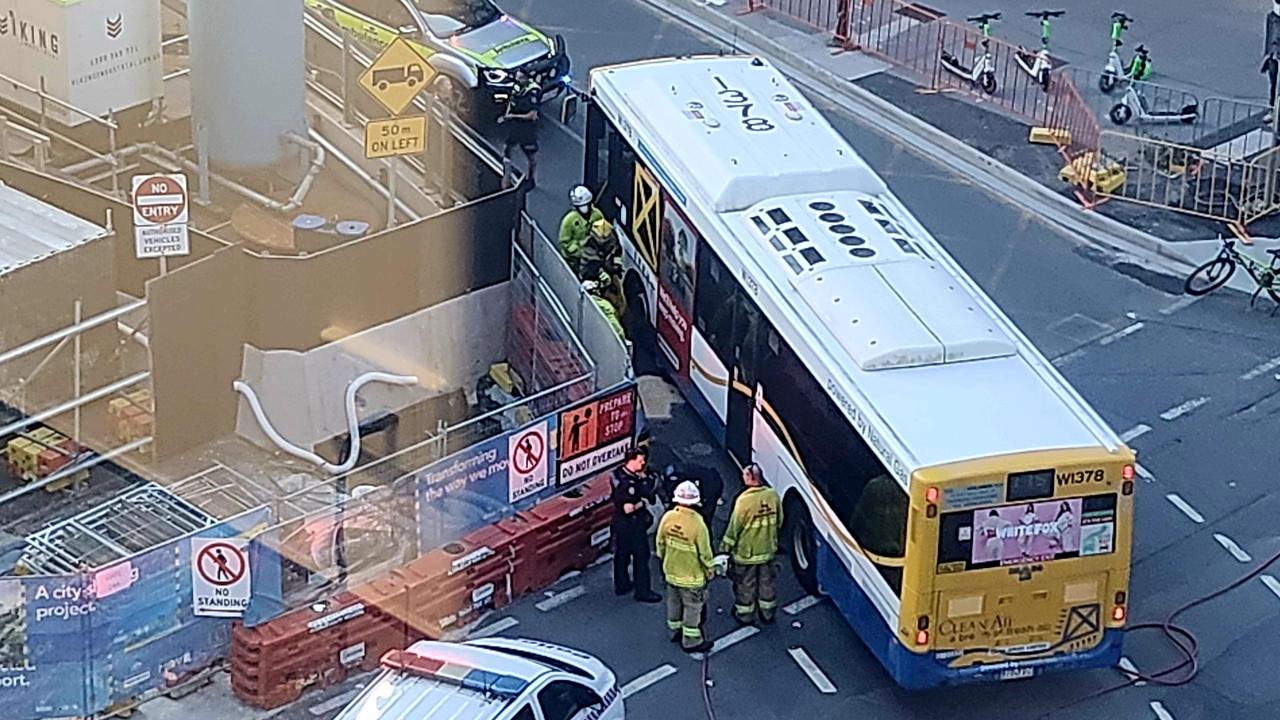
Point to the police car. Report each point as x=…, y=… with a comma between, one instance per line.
x=490, y=679
x=474, y=47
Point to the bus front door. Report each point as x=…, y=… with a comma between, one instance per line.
x=742, y=376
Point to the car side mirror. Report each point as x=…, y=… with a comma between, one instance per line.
x=408, y=32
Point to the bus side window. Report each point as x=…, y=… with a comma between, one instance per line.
x=853, y=481
x=597, y=168
x=712, y=304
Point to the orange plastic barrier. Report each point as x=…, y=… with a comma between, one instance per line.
x=273, y=663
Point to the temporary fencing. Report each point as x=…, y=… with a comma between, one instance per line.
x=443, y=591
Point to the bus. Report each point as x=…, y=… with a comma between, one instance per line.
x=959, y=502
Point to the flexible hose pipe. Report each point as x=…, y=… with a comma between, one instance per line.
x=353, y=422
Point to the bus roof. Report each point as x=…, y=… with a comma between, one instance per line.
x=906, y=333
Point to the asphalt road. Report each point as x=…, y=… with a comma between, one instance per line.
x=1194, y=385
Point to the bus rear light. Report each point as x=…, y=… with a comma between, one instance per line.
x=1126, y=488
x=922, y=622
x=922, y=637
x=931, y=494
x=1126, y=472
x=1120, y=597
x=1118, y=613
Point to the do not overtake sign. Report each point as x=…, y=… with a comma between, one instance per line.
x=220, y=583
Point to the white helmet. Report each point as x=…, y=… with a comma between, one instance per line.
x=687, y=494
x=590, y=285
x=580, y=196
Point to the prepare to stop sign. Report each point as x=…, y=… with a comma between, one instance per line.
x=160, y=214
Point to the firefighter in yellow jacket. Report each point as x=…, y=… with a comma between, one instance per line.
x=684, y=546
x=751, y=542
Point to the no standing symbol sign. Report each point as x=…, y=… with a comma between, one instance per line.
x=527, y=461
x=220, y=583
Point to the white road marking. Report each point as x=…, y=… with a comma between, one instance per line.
x=491, y=630
x=1064, y=359
x=1178, y=411
x=654, y=676
x=1272, y=584
x=333, y=703
x=568, y=576
x=1230, y=546
x=1126, y=332
x=1158, y=708
x=602, y=560
x=1135, y=432
x=561, y=598
x=1262, y=369
x=732, y=639
x=1184, y=302
x=810, y=668
x=1143, y=473
x=1130, y=671
x=1185, y=507
x=801, y=605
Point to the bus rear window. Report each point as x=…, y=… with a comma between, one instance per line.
x=1021, y=533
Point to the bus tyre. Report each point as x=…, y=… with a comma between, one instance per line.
x=799, y=533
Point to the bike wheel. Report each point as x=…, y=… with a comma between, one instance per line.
x=988, y=83
x=1274, y=290
x=1120, y=113
x=1106, y=83
x=1210, y=276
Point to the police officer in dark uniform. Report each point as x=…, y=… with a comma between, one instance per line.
x=521, y=119
x=633, y=495
x=710, y=487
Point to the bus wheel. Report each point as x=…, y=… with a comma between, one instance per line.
x=799, y=533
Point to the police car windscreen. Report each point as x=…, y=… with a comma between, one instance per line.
x=446, y=18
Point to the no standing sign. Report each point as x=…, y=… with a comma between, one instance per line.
x=220, y=582
x=161, y=210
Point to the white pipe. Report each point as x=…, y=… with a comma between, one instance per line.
x=353, y=422
x=134, y=334
x=359, y=172
x=293, y=203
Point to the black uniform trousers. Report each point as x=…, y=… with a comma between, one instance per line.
x=631, y=560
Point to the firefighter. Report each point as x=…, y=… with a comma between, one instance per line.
x=684, y=546
x=751, y=541
x=576, y=225
x=597, y=289
x=600, y=252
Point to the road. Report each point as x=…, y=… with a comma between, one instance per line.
x=1194, y=385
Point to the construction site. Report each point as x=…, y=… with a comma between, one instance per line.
x=321, y=423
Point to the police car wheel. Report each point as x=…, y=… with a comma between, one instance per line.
x=799, y=533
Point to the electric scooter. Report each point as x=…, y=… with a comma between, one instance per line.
x=1133, y=105
x=1038, y=64
x=1115, y=71
x=983, y=72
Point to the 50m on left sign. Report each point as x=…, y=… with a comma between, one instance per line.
x=395, y=136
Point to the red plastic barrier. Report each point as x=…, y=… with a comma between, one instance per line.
x=444, y=590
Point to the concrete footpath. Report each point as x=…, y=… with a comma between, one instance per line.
x=961, y=133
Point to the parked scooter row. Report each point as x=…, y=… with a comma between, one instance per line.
x=1038, y=65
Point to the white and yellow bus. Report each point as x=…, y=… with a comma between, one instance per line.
x=965, y=509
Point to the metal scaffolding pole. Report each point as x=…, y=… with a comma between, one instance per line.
x=65, y=332
x=98, y=394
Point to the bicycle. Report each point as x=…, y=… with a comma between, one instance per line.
x=1215, y=273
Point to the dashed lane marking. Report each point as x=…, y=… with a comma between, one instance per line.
x=810, y=668
x=1129, y=670
x=1272, y=584
x=728, y=641
x=1178, y=411
x=602, y=560
x=333, y=703
x=495, y=628
x=1157, y=707
x=1123, y=333
x=801, y=605
x=1261, y=369
x=1184, y=302
x=1185, y=507
x=1230, y=546
x=653, y=677
x=561, y=598
x=1143, y=473
x=1135, y=432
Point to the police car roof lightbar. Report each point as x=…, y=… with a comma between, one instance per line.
x=455, y=673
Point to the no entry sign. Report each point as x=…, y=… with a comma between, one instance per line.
x=161, y=210
x=220, y=582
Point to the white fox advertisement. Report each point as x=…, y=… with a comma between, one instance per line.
x=98, y=55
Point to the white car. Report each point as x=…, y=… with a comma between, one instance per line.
x=490, y=679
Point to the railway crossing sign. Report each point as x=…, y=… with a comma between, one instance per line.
x=397, y=76
x=527, y=462
x=220, y=584
x=161, y=210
